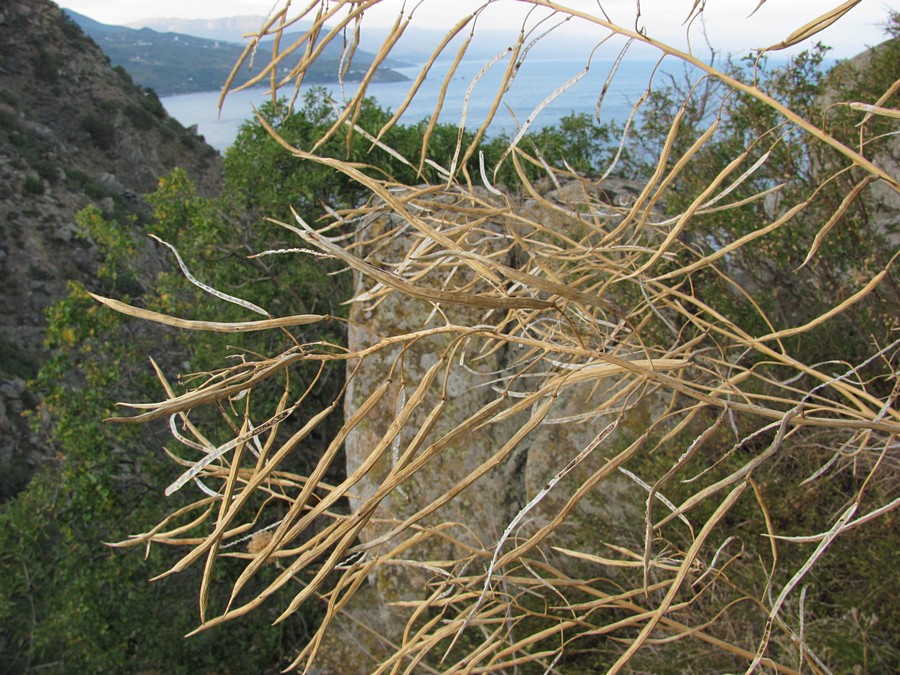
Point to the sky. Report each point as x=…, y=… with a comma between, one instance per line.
x=729, y=24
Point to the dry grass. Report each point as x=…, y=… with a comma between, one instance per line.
x=603, y=297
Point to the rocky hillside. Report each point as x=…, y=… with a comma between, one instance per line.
x=73, y=131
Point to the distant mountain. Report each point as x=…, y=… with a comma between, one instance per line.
x=415, y=45
x=175, y=63
x=419, y=42
x=230, y=28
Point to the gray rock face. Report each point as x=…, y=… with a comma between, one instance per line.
x=23, y=448
x=477, y=516
x=886, y=201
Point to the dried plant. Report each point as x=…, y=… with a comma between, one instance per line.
x=594, y=304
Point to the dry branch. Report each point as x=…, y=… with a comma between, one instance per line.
x=575, y=302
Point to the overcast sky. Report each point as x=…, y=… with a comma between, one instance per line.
x=728, y=23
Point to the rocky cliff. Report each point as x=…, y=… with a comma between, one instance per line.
x=73, y=131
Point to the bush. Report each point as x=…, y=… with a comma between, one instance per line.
x=152, y=104
x=101, y=131
x=139, y=116
x=47, y=65
x=33, y=186
x=124, y=75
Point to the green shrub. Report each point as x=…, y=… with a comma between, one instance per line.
x=79, y=181
x=46, y=65
x=139, y=116
x=33, y=186
x=9, y=99
x=152, y=104
x=123, y=74
x=101, y=131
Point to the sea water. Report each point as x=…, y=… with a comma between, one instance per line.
x=543, y=91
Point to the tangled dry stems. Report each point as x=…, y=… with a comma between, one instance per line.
x=600, y=295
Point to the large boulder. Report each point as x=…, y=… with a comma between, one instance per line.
x=477, y=516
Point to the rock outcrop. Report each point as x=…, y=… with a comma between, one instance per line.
x=479, y=514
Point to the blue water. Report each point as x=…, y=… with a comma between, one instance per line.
x=536, y=80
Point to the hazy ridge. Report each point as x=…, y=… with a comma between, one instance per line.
x=171, y=62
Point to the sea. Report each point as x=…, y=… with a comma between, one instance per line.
x=543, y=91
